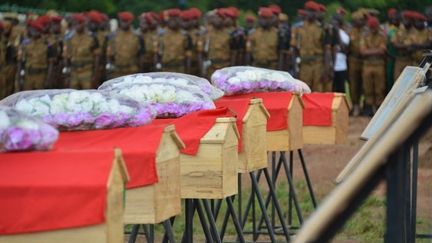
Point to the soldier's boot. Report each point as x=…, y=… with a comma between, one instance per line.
x=355, y=111
x=367, y=111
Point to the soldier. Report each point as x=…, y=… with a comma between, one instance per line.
x=36, y=54
x=355, y=60
x=12, y=37
x=308, y=41
x=149, y=33
x=402, y=41
x=55, y=41
x=250, y=24
x=373, y=49
x=286, y=61
x=390, y=29
x=125, y=48
x=173, y=43
x=216, y=44
x=95, y=26
x=422, y=40
x=263, y=43
x=237, y=39
x=81, y=54
x=192, y=32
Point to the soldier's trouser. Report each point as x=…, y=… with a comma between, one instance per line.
x=81, y=78
x=2, y=84
x=373, y=76
x=355, y=79
x=34, y=81
x=390, y=64
x=9, y=73
x=310, y=73
x=273, y=64
x=400, y=64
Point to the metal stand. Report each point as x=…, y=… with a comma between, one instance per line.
x=149, y=232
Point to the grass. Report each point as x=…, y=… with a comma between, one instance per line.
x=366, y=225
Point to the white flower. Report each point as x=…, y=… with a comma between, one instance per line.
x=24, y=106
x=234, y=80
x=27, y=124
x=40, y=108
x=4, y=120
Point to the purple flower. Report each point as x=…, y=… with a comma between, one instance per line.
x=17, y=139
x=104, y=120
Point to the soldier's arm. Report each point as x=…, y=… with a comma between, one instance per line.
x=249, y=48
x=141, y=52
x=96, y=59
x=51, y=57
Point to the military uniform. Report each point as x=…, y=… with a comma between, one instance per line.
x=55, y=42
x=36, y=54
x=2, y=64
x=11, y=43
x=151, y=43
x=403, y=37
x=81, y=49
x=172, y=49
x=126, y=48
x=373, y=73
x=263, y=46
x=355, y=65
x=422, y=37
x=309, y=40
x=218, y=51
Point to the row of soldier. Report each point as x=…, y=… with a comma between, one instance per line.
x=85, y=52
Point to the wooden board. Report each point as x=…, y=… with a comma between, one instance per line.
x=159, y=202
x=109, y=232
x=291, y=138
x=254, y=154
x=396, y=100
x=212, y=173
x=337, y=132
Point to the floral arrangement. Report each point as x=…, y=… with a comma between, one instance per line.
x=186, y=81
x=245, y=79
x=80, y=110
x=168, y=100
x=19, y=132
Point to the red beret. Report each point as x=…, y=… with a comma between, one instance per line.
x=95, y=16
x=275, y=8
x=221, y=12
x=44, y=20
x=391, y=12
x=35, y=24
x=322, y=7
x=125, y=16
x=312, y=6
x=174, y=12
x=104, y=17
x=186, y=15
x=302, y=12
x=420, y=16
x=341, y=11
x=196, y=13
x=372, y=22
x=265, y=12
x=148, y=17
x=79, y=17
x=56, y=19
x=250, y=19
x=233, y=12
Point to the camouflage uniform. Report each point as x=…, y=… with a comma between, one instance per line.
x=81, y=49
x=263, y=45
x=36, y=54
x=172, y=50
x=126, y=48
x=309, y=40
x=218, y=51
x=151, y=43
x=355, y=65
x=404, y=37
x=373, y=73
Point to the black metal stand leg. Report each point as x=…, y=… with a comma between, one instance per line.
x=276, y=204
x=292, y=191
x=239, y=197
x=213, y=228
x=308, y=181
x=414, y=189
x=165, y=238
x=263, y=208
x=236, y=222
x=188, y=233
x=169, y=231
x=134, y=233
x=274, y=176
x=149, y=232
x=254, y=227
x=202, y=219
x=291, y=188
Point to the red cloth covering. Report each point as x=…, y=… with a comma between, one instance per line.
x=192, y=127
x=139, y=146
x=239, y=107
x=276, y=104
x=318, y=109
x=52, y=190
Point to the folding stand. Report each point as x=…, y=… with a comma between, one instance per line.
x=149, y=232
